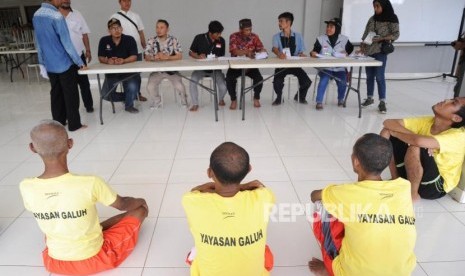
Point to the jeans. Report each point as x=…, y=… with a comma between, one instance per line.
x=198, y=75
x=131, y=87
x=378, y=73
x=324, y=79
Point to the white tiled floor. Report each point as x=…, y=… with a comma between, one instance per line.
x=160, y=154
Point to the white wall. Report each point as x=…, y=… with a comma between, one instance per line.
x=190, y=17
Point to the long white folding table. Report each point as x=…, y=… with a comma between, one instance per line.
x=14, y=60
x=160, y=66
x=304, y=62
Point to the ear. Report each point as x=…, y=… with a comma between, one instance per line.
x=70, y=143
x=355, y=163
x=250, y=168
x=210, y=173
x=31, y=147
x=456, y=118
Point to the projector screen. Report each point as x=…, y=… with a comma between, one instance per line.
x=419, y=20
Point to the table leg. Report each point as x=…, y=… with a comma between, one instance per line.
x=358, y=93
x=242, y=103
x=215, y=96
x=101, y=98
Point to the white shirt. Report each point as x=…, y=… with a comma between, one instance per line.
x=77, y=26
x=129, y=28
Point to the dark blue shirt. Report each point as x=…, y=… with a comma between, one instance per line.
x=127, y=47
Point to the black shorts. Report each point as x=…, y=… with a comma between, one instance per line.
x=432, y=183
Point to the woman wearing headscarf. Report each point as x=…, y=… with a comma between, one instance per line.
x=335, y=44
x=382, y=26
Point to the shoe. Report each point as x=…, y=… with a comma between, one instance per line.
x=319, y=106
x=233, y=105
x=367, y=102
x=194, y=108
x=277, y=101
x=221, y=103
x=131, y=109
x=89, y=109
x=340, y=103
x=256, y=103
x=382, y=107
x=142, y=98
x=302, y=101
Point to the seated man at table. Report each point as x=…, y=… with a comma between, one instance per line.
x=229, y=220
x=333, y=43
x=429, y=150
x=164, y=47
x=286, y=44
x=208, y=45
x=244, y=43
x=118, y=49
x=366, y=227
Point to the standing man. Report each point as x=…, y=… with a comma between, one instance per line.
x=244, y=43
x=132, y=26
x=286, y=44
x=118, y=49
x=209, y=44
x=164, y=47
x=78, y=30
x=57, y=54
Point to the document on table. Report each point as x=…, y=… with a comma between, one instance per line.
x=261, y=55
x=324, y=56
x=295, y=57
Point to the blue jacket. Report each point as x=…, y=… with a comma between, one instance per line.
x=54, y=47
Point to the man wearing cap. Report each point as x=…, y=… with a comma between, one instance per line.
x=244, y=43
x=118, y=49
x=78, y=30
x=287, y=43
x=132, y=26
x=57, y=54
x=333, y=43
x=209, y=44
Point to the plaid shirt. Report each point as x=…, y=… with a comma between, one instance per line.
x=239, y=42
x=171, y=47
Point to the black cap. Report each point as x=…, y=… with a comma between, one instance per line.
x=113, y=21
x=245, y=23
x=335, y=21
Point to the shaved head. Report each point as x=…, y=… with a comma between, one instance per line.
x=230, y=163
x=49, y=139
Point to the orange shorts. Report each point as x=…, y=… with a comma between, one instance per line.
x=118, y=242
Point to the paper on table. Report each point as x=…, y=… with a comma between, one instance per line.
x=261, y=55
x=324, y=56
x=339, y=55
x=295, y=57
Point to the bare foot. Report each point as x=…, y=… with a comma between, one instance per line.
x=221, y=103
x=233, y=105
x=256, y=103
x=317, y=267
x=194, y=108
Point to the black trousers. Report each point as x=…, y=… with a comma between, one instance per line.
x=84, y=86
x=64, y=97
x=431, y=185
x=304, y=81
x=231, y=81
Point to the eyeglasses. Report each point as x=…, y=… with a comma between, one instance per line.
x=115, y=28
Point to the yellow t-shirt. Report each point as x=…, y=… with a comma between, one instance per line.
x=65, y=210
x=229, y=233
x=451, y=152
x=379, y=227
